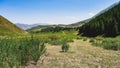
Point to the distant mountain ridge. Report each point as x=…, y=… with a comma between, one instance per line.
x=7, y=27
x=28, y=26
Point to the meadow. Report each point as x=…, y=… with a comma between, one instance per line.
x=44, y=50
x=80, y=54
x=17, y=51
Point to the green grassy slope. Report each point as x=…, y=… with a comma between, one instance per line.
x=6, y=27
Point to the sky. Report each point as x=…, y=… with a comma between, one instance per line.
x=51, y=11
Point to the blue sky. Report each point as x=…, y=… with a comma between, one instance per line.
x=51, y=11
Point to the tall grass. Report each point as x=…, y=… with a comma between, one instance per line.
x=17, y=52
x=108, y=43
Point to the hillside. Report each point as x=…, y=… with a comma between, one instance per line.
x=105, y=24
x=80, y=23
x=51, y=28
x=6, y=27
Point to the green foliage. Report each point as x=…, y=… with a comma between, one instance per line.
x=56, y=42
x=79, y=37
x=105, y=24
x=92, y=40
x=60, y=41
x=51, y=29
x=17, y=52
x=84, y=39
x=57, y=38
x=53, y=37
x=109, y=43
x=65, y=47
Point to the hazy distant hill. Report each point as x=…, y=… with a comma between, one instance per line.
x=27, y=26
x=7, y=27
x=105, y=24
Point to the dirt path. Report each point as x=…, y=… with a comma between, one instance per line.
x=81, y=55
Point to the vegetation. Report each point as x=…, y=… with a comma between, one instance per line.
x=65, y=47
x=57, y=38
x=51, y=29
x=108, y=43
x=84, y=38
x=105, y=24
x=56, y=29
x=92, y=40
x=17, y=52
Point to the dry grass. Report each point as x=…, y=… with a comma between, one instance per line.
x=81, y=55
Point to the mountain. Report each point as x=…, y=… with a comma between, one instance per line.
x=106, y=23
x=77, y=24
x=27, y=26
x=87, y=20
x=7, y=27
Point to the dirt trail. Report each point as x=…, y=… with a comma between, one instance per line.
x=81, y=55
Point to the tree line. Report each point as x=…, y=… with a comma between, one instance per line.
x=106, y=24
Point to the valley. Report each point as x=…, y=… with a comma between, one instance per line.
x=90, y=43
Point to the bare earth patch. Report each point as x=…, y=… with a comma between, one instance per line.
x=81, y=55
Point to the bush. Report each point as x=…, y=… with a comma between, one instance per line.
x=65, y=47
x=79, y=37
x=84, y=39
x=92, y=40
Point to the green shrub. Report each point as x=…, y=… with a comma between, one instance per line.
x=92, y=41
x=84, y=39
x=79, y=37
x=65, y=47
